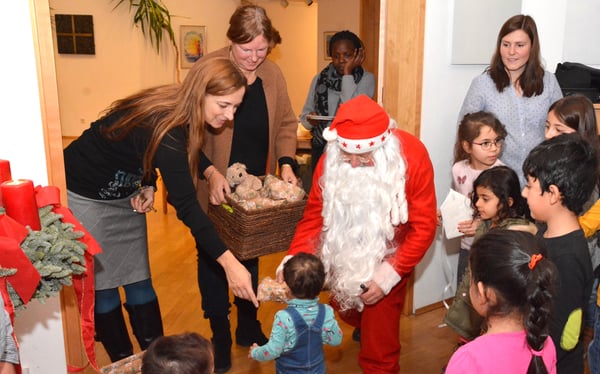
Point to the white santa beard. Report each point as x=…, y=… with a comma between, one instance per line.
x=357, y=226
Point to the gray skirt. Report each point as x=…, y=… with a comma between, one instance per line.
x=122, y=235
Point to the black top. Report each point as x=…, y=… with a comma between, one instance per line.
x=100, y=169
x=250, y=142
x=572, y=259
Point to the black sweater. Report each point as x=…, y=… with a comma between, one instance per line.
x=100, y=169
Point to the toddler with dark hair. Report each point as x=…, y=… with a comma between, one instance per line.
x=300, y=330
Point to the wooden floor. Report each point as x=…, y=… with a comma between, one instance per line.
x=426, y=344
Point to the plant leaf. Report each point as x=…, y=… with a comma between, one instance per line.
x=154, y=19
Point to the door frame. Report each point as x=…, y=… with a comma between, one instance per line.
x=400, y=80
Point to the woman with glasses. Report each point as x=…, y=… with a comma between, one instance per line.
x=516, y=89
x=263, y=137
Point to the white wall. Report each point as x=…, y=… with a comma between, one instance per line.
x=297, y=54
x=332, y=18
x=444, y=87
x=125, y=62
x=39, y=327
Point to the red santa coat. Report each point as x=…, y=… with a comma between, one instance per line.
x=412, y=238
x=380, y=322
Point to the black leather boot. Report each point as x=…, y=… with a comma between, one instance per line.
x=248, y=329
x=146, y=322
x=112, y=333
x=221, y=341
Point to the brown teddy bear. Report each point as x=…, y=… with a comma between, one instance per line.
x=277, y=189
x=247, y=186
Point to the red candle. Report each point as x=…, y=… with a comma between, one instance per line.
x=19, y=202
x=4, y=175
x=5, y=171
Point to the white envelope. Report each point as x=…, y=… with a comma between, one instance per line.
x=455, y=208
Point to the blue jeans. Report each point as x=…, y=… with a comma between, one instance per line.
x=137, y=293
x=594, y=348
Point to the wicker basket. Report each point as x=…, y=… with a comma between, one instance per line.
x=253, y=233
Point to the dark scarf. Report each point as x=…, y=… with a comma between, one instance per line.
x=328, y=78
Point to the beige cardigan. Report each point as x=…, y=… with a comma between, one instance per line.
x=283, y=125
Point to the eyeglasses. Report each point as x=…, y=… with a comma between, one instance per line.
x=487, y=145
x=365, y=159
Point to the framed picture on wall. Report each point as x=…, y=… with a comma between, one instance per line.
x=326, y=40
x=193, y=44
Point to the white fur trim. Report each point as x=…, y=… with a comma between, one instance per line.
x=329, y=134
x=386, y=277
x=358, y=146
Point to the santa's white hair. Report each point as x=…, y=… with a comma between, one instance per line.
x=361, y=208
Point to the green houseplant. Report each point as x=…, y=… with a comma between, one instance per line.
x=154, y=19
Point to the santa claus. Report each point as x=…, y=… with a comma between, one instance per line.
x=370, y=216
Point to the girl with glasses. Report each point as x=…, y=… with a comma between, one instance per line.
x=478, y=147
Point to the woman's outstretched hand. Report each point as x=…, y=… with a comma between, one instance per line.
x=238, y=277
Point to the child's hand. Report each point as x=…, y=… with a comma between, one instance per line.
x=468, y=227
x=439, y=218
x=250, y=350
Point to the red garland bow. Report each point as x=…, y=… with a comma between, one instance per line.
x=83, y=284
x=27, y=278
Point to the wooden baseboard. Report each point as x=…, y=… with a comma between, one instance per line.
x=434, y=306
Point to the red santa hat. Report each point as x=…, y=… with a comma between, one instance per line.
x=359, y=126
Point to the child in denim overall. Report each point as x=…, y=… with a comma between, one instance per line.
x=300, y=330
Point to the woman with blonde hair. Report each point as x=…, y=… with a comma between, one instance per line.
x=111, y=168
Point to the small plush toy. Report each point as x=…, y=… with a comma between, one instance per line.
x=258, y=203
x=277, y=189
x=247, y=186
